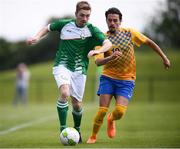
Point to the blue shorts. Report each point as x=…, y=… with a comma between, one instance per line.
x=116, y=87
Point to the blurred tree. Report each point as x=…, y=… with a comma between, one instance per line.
x=12, y=54
x=165, y=28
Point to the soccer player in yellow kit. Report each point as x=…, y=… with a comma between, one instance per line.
x=119, y=71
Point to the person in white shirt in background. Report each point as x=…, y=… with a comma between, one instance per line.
x=22, y=83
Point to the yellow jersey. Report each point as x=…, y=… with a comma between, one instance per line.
x=123, y=68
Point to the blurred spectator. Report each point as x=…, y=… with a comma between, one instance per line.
x=22, y=83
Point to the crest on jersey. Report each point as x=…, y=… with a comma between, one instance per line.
x=82, y=35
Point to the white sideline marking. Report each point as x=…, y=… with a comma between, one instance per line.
x=25, y=125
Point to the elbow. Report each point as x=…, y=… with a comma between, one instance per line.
x=98, y=63
x=108, y=43
x=153, y=46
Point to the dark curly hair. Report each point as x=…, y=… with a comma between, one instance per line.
x=114, y=10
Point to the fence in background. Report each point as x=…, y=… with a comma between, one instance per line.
x=150, y=89
x=158, y=88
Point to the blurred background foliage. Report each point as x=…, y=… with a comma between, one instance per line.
x=152, y=83
x=12, y=54
x=164, y=29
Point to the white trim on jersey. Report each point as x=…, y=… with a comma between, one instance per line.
x=71, y=31
x=49, y=27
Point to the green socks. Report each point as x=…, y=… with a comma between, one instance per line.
x=62, y=108
x=77, y=115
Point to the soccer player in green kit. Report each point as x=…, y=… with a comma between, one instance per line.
x=77, y=39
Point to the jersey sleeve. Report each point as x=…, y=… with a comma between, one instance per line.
x=57, y=25
x=137, y=37
x=98, y=36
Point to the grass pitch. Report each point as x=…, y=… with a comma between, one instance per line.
x=144, y=125
x=153, y=124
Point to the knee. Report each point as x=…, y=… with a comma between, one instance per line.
x=119, y=111
x=100, y=115
x=77, y=106
x=64, y=92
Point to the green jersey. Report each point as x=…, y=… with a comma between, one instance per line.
x=75, y=44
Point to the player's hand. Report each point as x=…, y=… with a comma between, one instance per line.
x=31, y=41
x=166, y=63
x=93, y=53
x=116, y=55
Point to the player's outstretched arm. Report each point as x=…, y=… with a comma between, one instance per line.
x=105, y=47
x=38, y=36
x=157, y=49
